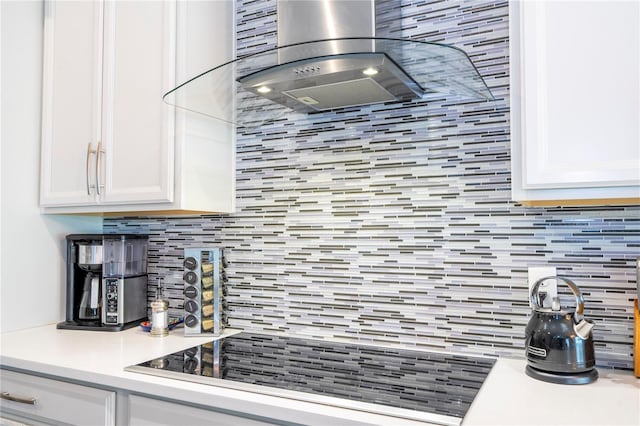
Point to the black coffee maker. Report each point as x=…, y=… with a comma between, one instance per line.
x=106, y=281
x=559, y=342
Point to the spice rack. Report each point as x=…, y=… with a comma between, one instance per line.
x=204, y=290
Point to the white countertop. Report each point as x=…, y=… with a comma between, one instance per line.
x=508, y=396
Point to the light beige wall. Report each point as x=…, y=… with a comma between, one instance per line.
x=31, y=245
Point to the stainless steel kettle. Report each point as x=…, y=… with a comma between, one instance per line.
x=559, y=342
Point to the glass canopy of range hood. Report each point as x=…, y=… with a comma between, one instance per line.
x=421, y=68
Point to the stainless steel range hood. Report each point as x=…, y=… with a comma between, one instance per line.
x=345, y=84
x=331, y=54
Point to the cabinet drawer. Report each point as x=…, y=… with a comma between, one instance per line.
x=145, y=411
x=56, y=401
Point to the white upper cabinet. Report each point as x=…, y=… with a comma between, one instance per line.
x=110, y=144
x=575, y=102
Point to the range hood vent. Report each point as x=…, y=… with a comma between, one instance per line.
x=320, y=74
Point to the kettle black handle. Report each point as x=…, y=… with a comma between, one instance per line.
x=574, y=288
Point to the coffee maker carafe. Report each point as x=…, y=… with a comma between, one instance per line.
x=106, y=281
x=90, y=263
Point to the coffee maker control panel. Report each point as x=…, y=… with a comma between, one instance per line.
x=111, y=292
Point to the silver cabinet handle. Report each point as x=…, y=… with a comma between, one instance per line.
x=99, y=152
x=89, y=152
x=20, y=399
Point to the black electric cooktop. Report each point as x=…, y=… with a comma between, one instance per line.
x=428, y=386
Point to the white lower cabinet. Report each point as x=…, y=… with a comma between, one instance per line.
x=37, y=400
x=144, y=411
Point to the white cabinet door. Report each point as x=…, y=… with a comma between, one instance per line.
x=153, y=412
x=138, y=130
x=51, y=401
x=575, y=100
x=72, y=98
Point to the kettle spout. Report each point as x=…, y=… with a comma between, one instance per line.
x=583, y=329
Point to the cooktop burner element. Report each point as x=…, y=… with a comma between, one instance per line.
x=428, y=386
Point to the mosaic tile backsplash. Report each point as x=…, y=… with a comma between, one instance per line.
x=393, y=223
